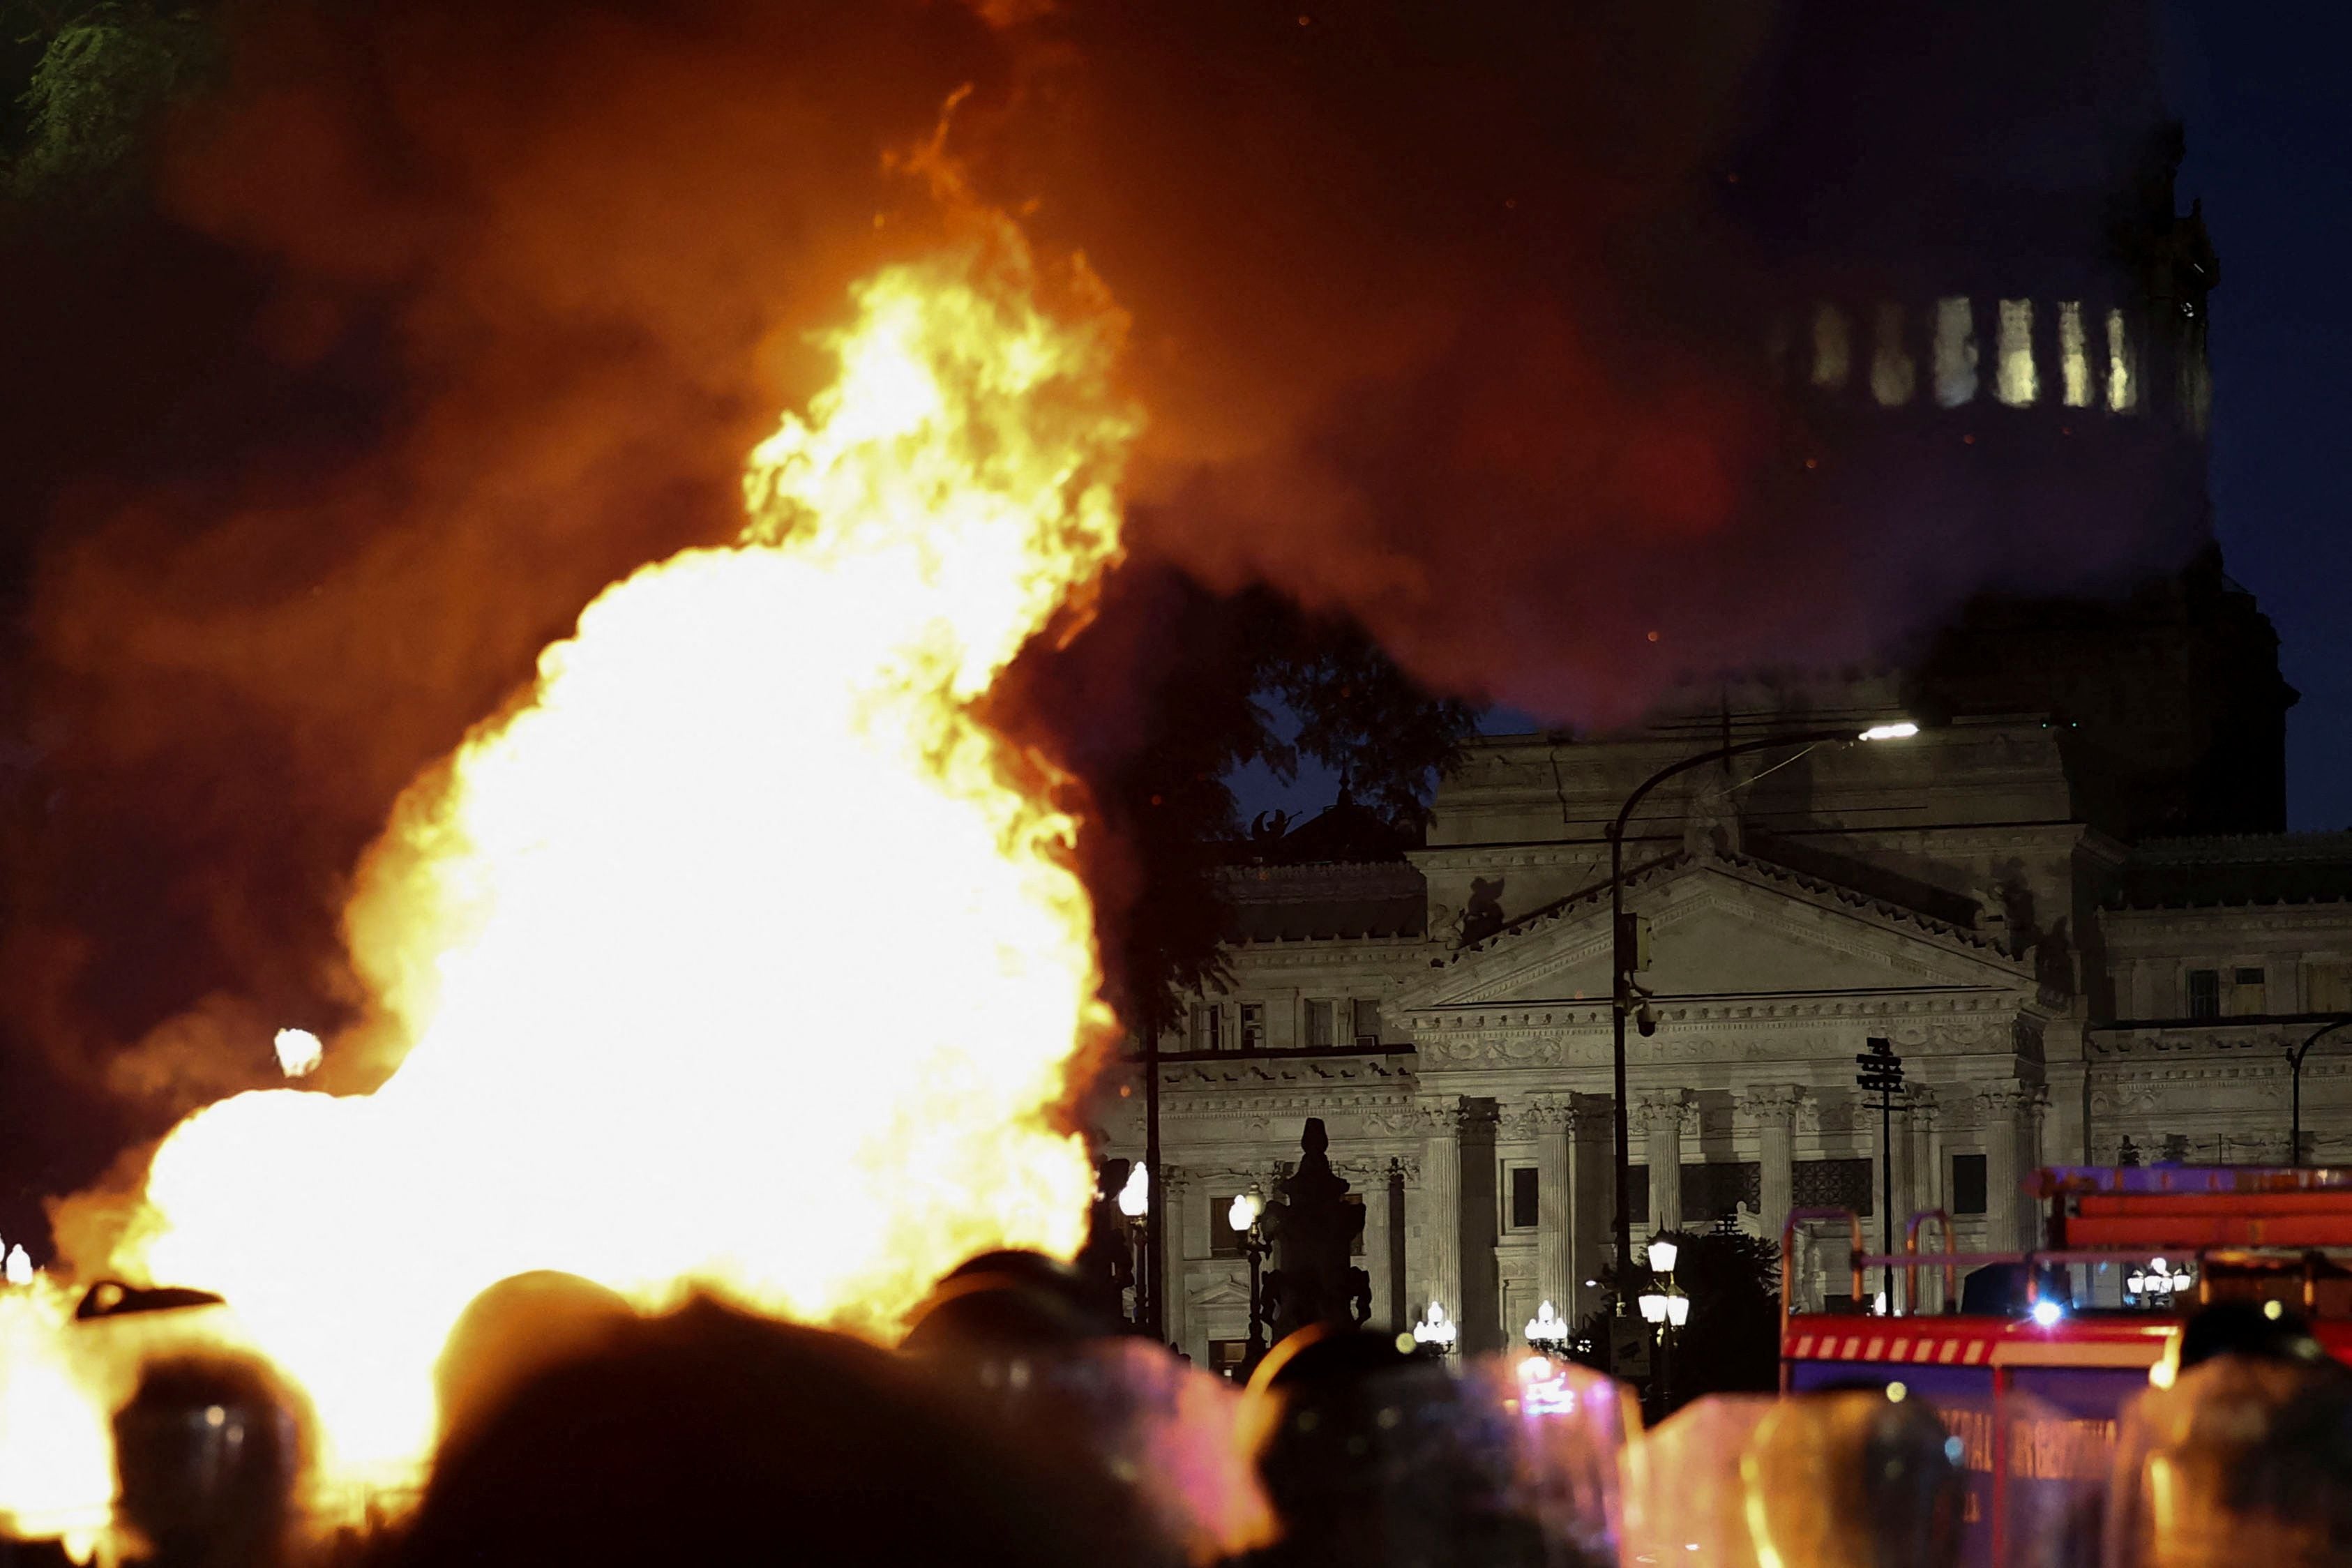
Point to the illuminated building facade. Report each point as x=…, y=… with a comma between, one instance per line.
x=2069, y=902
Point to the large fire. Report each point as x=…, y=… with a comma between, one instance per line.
x=736, y=959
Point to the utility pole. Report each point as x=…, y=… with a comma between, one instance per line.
x=1881, y=1073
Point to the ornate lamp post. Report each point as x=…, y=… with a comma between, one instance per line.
x=1665, y=1310
x=1135, y=1207
x=2156, y=1284
x=1435, y=1334
x=1244, y=1218
x=1547, y=1331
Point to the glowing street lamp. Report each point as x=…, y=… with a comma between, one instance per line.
x=1662, y=1254
x=1244, y=1217
x=1135, y=1207
x=1434, y=1334
x=2160, y=1281
x=1547, y=1331
x=19, y=1269
x=1654, y=1307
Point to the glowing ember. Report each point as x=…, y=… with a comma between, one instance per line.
x=299, y=1052
x=734, y=960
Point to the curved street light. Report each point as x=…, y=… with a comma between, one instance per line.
x=1547, y=1331
x=1434, y=1334
x=2294, y=1058
x=1621, y=986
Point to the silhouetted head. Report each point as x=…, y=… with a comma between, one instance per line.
x=2244, y=1328
x=708, y=1437
x=1006, y=1301
x=208, y=1453
x=515, y=1329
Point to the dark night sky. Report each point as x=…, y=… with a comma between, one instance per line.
x=2269, y=151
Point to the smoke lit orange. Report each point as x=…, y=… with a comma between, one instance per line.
x=734, y=959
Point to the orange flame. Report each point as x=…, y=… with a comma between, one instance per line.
x=733, y=961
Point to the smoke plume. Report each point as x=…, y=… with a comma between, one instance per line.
x=1451, y=319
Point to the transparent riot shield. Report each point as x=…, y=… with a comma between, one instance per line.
x=1685, y=1503
x=1374, y=1459
x=2244, y=1461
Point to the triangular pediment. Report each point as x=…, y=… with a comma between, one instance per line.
x=1722, y=927
x=1224, y=1293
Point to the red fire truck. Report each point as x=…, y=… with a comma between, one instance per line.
x=2077, y=1326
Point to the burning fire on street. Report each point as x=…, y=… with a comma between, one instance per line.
x=596, y=923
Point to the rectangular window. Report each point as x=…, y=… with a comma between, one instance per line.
x=1637, y=1198
x=1225, y=1241
x=1210, y=1030
x=1522, y=1206
x=2327, y=987
x=2204, y=993
x=1367, y=1022
x=2248, y=992
x=1968, y=1184
x=1319, y=1023
x=1226, y=1357
x=1832, y=1184
x=1252, y=1025
x=1714, y=1191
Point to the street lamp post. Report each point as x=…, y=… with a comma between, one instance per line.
x=1135, y=1206
x=1622, y=943
x=1244, y=1217
x=2295, y=1125
x=1435, y=1334
x=1665, y=1310
x=1547, y=1331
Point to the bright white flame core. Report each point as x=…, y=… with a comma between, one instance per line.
x=734, y=960
x=299, y=1052
x=1902, y=732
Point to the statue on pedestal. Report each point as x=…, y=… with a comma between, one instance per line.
x=1315, y=1227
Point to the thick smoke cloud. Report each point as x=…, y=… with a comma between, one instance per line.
x=1451, y=318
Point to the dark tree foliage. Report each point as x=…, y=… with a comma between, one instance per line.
x=1170, y=688
x=1732, y=1342
x=90, y=82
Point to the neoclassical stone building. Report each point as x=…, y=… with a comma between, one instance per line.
x=2068, y=901
x=2057, y=994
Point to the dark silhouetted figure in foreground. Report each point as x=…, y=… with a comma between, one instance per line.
x=708, y=1437
x=207, y=1453
x=1375, y=1458
x=1855, y=1479
x=2246, y=1458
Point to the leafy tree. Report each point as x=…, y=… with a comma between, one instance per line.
x=1732, y=1342
x=104, y=73
x=1170, y=689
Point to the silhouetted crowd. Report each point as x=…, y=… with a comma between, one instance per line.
x=1016, y=1427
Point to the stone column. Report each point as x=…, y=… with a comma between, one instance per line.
x=1553, y=1283
x=1659, y=1115
x=2009, y=1109
x=1592, y=1181
x=1771, y=1109
x=1374, y=1185
x=1176, y=1189
x=1437, y=1273
x=1924, y=1152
